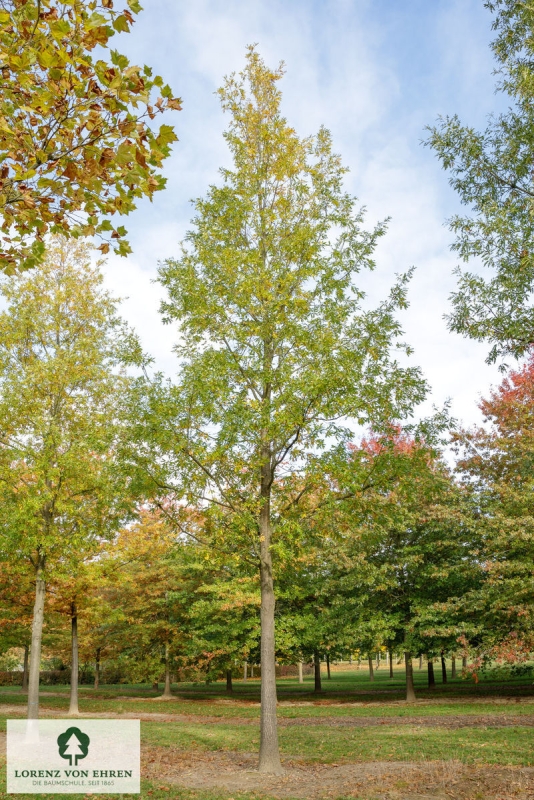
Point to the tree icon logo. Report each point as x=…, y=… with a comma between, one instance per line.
x=73, y=744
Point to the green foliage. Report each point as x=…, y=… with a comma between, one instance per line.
x=492, y=172
x=76, y=141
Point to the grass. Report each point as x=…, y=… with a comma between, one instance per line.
x=348, y=695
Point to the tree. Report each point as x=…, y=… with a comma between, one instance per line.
x=276, y=350
x=405, y=548
x=496, y=464
x=492, y=172
x=76, y=143
x=63, y=351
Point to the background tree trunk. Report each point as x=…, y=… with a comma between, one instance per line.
x=73, y=706
x=155, y=685
x=421, y=661
x=24, y=687
x=97, y=668
x=269, y=751
x=410, y=691
x=37, y=635
x=371, y=669
x=317, y=671
x=245, y=670
x=167, y=689
x=464, y=662
x=443, y=668
x=453, y=666
x=431, y=677
x=390, y=651
x=301, y=678
x=229, y=685
x=328, y=666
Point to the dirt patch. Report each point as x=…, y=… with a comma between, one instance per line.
x=452, y=722
x=236, y=772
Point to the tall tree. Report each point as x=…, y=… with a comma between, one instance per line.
x=76, y=141
x=63, y=350
x=493, y=172
x=276, y=350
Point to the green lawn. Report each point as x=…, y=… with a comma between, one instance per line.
x=348, y=695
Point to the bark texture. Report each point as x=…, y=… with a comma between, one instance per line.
x=390, y=664
x=328, y=667
x=443, y=669
x=453, y=666
x=37, y=635
x=73, y=706
x=229, y=684
x=269, y=752
x=301, y=677
x=371, y=669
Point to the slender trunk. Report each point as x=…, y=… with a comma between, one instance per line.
x=97, y=668
x=245, y=670
x=464, y=662
x=252, y=670
x=431, y=677
x=229, y=685
x=317, y=671
x=25, y=672
x=410, y=691
x=350, y=659
x=167, y=689
x=269, y=751
x=155, y=685
x=443, y=668
x=73, y=707
x=421, y=661
x=301, y=678
x=371, y=669
x=328, y=666
x=453, y=666
x=37, y=635
x=390, y=664
x=378, y=660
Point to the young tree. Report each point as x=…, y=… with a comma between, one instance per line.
x=63, y=350
x=276, y=350
x=492, y=171
x=76, y=143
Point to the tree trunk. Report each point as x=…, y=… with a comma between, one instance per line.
x=229, y=685
x=269, y=752
x=252, y=670
x=431, y=677
x=24, y=687
x=37, y=635
x=378, y=660
x=410, y=691
x=390, y=664
x=317, y=671
x=328, y=666
x=245, y=670
x=443, y=668
x=371, y=669
x=301, y=678
x=421, y=661
x=73, y=707
x=464, y=662
x=167, y=689
x=155, y=685
x=453, y=666
x=97, y=668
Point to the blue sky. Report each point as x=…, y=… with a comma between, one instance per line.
x=374, y=72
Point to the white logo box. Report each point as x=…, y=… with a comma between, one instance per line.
x=73, y=756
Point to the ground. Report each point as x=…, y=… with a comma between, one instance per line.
x=355, y=740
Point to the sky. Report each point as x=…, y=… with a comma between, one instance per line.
x=375, y=72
